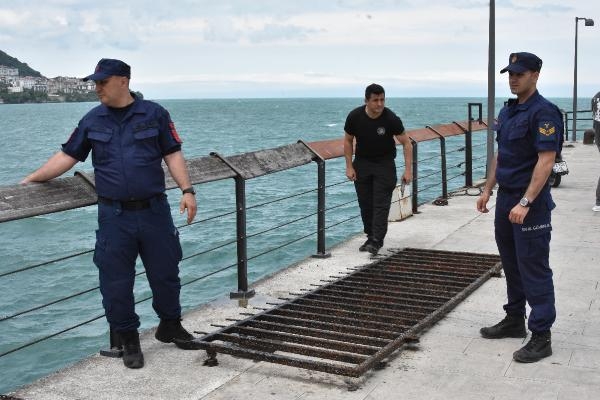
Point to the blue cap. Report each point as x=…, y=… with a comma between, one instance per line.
x=522, y=62
x=109, y=67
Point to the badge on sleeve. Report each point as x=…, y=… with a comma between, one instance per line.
x=547, y=130
x=174, y=133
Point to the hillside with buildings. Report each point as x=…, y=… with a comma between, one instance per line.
x=19, y=83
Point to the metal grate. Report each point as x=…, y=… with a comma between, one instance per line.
x=350, y=324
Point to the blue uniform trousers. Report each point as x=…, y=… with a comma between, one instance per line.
x=374, y=184
x=122, y=235
x=524, y=250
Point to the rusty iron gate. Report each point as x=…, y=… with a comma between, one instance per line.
x=350, y=324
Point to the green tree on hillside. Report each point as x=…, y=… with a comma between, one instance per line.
x=26, y=96
x=24, y=69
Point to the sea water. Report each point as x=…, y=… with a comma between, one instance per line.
x=31, y=133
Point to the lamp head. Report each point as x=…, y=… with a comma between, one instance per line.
x=589, y=22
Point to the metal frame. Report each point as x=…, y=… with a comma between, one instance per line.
x=348, y=340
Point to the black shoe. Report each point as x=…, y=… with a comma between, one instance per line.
x=171, y=331
x=372, y=248
x=538, y=347
x=132, y=351
x=364, y=245
x=511, y=326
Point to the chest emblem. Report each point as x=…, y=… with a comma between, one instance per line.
x=381, y=131
x=547, y=129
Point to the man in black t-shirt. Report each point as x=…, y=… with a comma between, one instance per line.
x=373, y=170
x=596, y=118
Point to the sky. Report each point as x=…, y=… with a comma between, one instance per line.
x=306, y=48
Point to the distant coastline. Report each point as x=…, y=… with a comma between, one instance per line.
x=31, y=97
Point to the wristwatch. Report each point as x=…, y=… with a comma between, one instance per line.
x=524, y=202
x=189, y=190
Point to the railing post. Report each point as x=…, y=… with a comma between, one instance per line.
x=444, y=166
x=415, y=182
x=242, y=240
x=469, y=143
x=116, y=347
x=321, y=252
x=566, y=127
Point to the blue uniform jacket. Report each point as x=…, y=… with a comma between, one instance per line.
x=524, y=130
x=127, y=154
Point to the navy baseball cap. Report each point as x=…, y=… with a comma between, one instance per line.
x=109, y=67
x=522, y=62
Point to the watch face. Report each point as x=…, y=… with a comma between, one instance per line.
x=524, y=202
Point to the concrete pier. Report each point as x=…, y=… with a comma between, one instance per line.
x=451, y=361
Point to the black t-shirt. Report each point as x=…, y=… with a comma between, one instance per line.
x=120, y=112
x=374, y=137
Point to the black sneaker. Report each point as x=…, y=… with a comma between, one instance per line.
x=364, y=245
x=511, y=326
x=132, y=351
x=538, y=347
x=171, y=331
x=372, y=248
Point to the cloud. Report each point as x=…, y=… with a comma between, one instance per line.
x=314, y=43
x=536, y=6
x=280, y=32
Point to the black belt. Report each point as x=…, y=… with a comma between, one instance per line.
x=504, y=189
x=130, y=205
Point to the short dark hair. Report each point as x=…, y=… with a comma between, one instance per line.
x=373, y=88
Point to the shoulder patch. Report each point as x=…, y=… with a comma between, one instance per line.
x=547, y=129
x=174, y=133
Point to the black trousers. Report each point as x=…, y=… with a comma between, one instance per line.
x=374, y=184
x=597, y=140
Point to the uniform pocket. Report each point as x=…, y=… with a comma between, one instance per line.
x=100, y=249
x=538, y=219
x=177, y=244
x=518, y=130
x=147, y=148
x=100, y=139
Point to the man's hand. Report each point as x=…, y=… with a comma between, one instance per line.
x=517, y=214
x=188, y=202
x=407, y=177
x=482, y=201
x=351, y=173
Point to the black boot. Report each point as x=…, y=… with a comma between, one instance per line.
x=538, y=347
x=373, y=246
x=511, y=326
x=171, y=331
x=363, y=247
x=132, y=351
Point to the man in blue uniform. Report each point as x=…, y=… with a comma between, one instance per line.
x=373, y=171
x=129, y=137
x=529, y=135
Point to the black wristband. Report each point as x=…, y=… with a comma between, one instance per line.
x=189, y=190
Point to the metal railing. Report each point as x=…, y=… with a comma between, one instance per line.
x=458, y=159
x=581, y=115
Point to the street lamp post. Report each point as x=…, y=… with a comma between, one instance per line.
x=588, y=22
